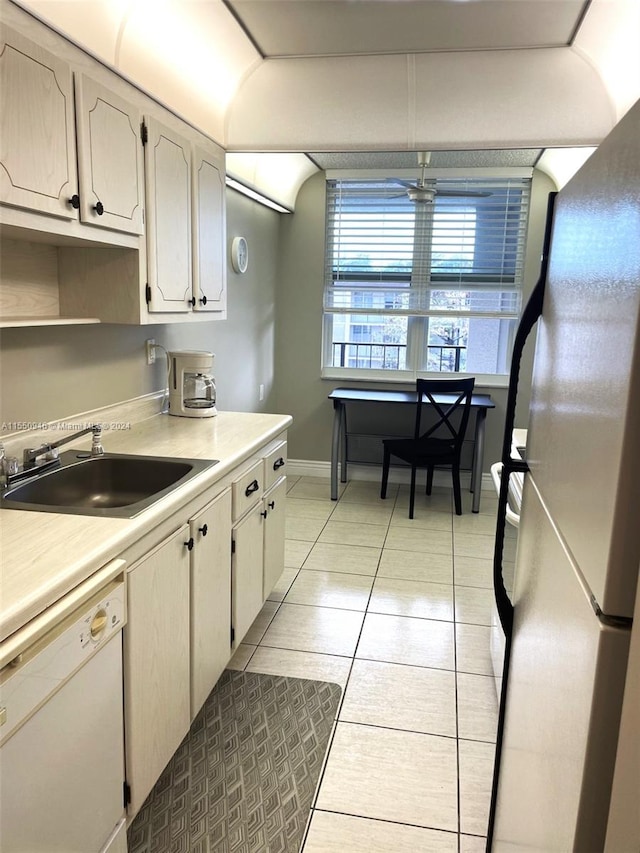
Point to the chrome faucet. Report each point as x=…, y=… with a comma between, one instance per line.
x=30, y=455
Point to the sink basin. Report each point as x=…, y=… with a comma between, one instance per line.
x=114, y=485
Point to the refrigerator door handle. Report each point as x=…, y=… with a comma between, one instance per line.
x=530, y=316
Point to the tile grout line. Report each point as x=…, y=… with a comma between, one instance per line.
x=342, y=697
x=353, y=658
x=455, y=666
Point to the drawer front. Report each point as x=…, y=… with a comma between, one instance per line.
x=275, y=464
x=247, y=489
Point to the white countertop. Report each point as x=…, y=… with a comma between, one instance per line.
x=45, y=555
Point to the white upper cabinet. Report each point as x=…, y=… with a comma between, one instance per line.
x=136, y=210
x=168, y=185
x=209, y=255
x=37, y=139
x=88, y=171
x=109, y=158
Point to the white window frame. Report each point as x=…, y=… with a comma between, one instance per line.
x=418, y=323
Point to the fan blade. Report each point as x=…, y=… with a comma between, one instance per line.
x=400, y=181
x=463, y=194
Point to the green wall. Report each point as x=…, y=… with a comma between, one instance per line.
x=299, y=389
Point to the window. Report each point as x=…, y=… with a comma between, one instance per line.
x=416, y=288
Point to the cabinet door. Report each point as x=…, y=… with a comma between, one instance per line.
x=210, y=597
x=37, y=136
x=168, y=187
x=109, y=158
x=246, y=572
x=274, y=505
x=156, y=663
x=209, y=255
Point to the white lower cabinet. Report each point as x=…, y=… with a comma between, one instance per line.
x=258, y=558
x=246, y=571
x=274, y=506
x=191, y=599
x=210, y=597
x=156, y=662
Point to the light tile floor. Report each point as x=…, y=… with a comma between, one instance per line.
x=397, y=611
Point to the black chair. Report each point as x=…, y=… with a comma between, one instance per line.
x=441, y=443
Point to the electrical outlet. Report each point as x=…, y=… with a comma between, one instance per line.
x=151, y=351
x=261, y=393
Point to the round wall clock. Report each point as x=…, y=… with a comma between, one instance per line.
x=239, y=254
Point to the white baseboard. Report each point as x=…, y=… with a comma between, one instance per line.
x=372, y=473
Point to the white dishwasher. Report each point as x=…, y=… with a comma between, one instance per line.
x=61, y=726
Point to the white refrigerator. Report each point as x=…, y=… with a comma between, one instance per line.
x=568, y=759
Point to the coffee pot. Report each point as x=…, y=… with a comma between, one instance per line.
x=192, y=388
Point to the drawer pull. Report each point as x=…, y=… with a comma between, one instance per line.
x=251, y=488
x=271, y=504
x=99, y=208
x=278, y=463
x=264, y=513
x=74, y=201
x=189, y=544
x=204, y=529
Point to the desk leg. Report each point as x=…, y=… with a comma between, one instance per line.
x=335, y=447
x=478, y=457
x=343, y=444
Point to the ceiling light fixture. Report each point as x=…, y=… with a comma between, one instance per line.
x=256, y=196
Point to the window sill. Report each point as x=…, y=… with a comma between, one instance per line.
x=407, y=377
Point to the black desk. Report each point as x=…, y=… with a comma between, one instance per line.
x=343, y=396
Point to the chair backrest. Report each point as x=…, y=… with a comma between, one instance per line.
x=451, y=414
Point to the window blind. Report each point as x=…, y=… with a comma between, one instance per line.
x=461, y=254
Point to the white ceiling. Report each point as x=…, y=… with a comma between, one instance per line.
x=440, y=74
x=456, y=77
x=281, y=28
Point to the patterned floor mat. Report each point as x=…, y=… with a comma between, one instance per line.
x=243, y=779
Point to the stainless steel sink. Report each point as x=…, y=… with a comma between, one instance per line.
x=113, y=485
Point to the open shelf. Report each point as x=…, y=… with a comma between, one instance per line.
x=17, y=322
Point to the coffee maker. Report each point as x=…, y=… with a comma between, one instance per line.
x=192, y=389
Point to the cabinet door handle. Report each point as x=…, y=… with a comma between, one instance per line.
x=251, y=488
x=203, y=301
x=278, y=463
x=264, y=513
x=191, y=301
x=189, y=545
x=271, y=504
x=204, y=529
x=74, y=201
x=99, y=208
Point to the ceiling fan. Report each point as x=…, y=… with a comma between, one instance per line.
x=424, y=191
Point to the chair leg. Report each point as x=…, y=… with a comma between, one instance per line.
x=457, y=498
x=429, y=479
x=412, y=495
x=385, y=473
